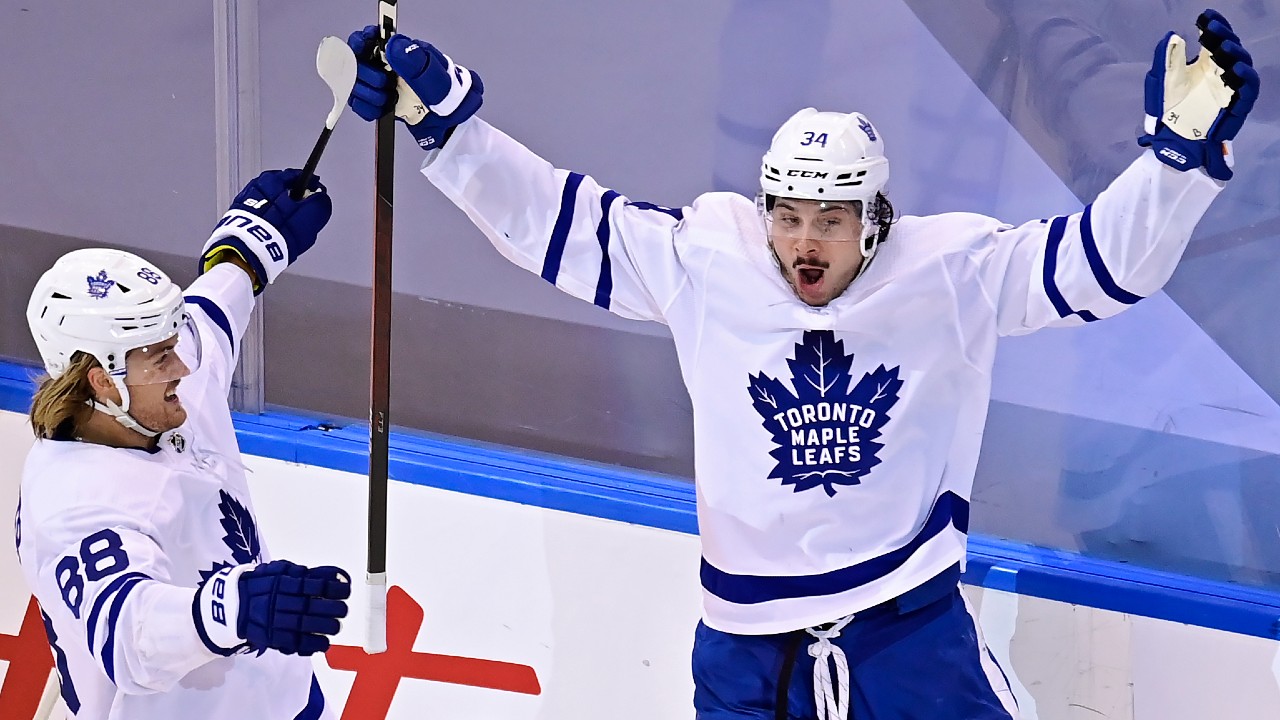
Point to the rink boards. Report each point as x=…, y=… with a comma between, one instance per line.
x=535, y=587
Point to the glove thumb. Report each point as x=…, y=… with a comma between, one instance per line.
x=1176, y=80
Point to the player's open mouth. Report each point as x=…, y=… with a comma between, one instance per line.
x=810, y=282
x=810, y=275
x=171, y=395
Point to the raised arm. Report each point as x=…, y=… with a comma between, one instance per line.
x=585, y=239
x=263, y=232
x=1073, y=269
x=588, y=240
x=1125, y=245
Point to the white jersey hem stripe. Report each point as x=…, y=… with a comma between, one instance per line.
x=949, y=510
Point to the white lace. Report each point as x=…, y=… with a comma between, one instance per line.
x=831, y=705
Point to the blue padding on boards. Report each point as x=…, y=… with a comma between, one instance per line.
x=17, y=384
x=1107, y=585
x=668, y=503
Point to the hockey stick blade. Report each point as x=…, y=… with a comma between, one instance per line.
x=336, y=65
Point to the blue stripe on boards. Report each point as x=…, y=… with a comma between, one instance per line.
x=100, y=601
x=108, y=647
x=604, y=286
x=215, y=314
x=949, y=510
x=560, y=232
x=315, y=703
x=1056, y=230
x=1099, y=268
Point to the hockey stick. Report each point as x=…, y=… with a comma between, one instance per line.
x=336, y=65
x=380, y=361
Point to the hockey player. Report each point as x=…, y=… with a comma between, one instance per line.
x=135, y=529
x=839, y=362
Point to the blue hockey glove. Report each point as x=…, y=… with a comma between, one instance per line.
x=432, y=95
x=1195, y=109
x=268, y=228
x=277, y=606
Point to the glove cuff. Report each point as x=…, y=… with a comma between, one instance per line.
x=459, y=86
x=254, y=239
x=1182, y=154
x=430, y=136
x=216, y=611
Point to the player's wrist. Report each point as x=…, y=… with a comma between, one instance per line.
x=227, y=254
x=216, y=611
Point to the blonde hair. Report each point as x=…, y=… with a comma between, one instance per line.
x=59, y=405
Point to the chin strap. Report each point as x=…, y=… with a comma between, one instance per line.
x=121, y=417
x=869, y=243
x=866, y=263
x=121, y=414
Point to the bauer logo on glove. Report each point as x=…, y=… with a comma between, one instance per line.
x=266, y=227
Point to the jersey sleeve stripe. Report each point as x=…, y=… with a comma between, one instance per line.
x=677, y=213
x=1056, y=231
x=108, y=647
x=103, y=597
x=560, y=232
x=315, y=703
x=604, y=286
x=949, y=510
x=216, y=315
x=1098, y=266
x=67, y=685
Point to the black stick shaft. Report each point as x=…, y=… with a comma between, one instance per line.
x=380, y=356
x=300, y=188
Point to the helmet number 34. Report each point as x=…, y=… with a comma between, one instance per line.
x=814, y=139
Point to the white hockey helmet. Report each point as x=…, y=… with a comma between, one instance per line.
x=828, y=156
x=106, y=303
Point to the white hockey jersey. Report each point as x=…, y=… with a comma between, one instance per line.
x=113, y=542
x=835, y=447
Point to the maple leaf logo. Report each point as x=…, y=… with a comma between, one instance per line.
x=242, y=532
x=826, y=431
x=241, y=537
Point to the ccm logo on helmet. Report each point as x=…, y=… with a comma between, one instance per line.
x=806, y=174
